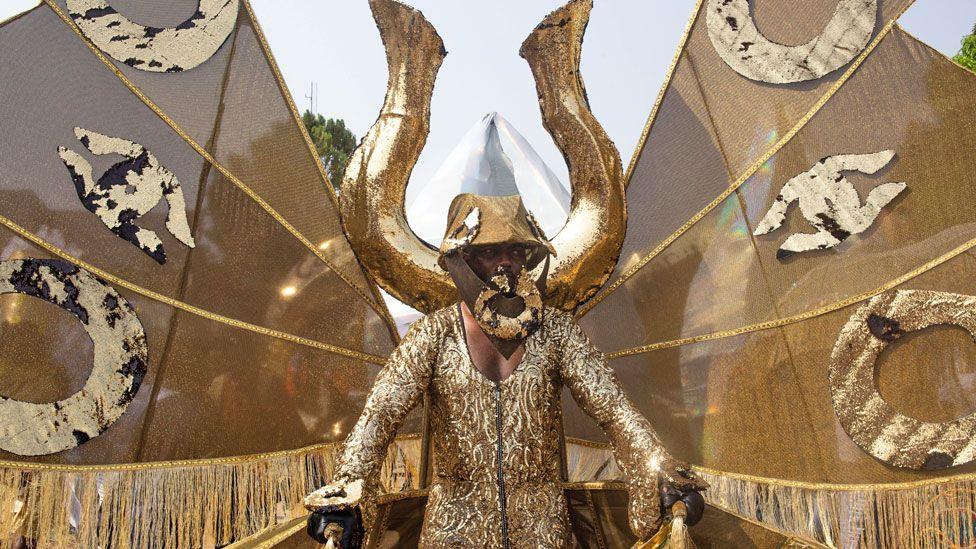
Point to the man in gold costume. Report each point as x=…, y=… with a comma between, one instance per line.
x=494, y=366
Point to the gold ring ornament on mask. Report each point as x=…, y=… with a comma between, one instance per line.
x=374, y=187
x=508, y=327
x=508, y=307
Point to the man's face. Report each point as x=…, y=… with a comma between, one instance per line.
x=486, y=261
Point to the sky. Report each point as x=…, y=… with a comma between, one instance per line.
x=628, y=47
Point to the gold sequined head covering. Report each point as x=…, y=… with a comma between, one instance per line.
x=477, y=220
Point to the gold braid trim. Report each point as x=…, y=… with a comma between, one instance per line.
x=186, y=503
x=802, y=316
x=660, y=94
x=379, y=309
x=586, y=307
x=186, y=306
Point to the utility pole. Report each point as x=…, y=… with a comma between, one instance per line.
x=313, y=97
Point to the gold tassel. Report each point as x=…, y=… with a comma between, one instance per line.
x=680, y=538
x=673, y=535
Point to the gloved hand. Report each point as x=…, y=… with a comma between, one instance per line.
x=688, y=492
x=341, y=529
x=336, y=517
x=679, y=475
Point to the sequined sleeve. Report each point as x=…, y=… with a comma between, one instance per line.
x=588, y=375
x=398, y=388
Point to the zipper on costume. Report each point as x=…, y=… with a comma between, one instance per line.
x=500, y=457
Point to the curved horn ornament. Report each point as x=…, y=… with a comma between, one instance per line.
x=588, y=246
x=375, y=183
x=376, y=178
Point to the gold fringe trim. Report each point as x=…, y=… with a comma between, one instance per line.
x=586, y=307
x=118, y=281
x=186, y=503
x=802, y=316
x=380, y=308
x=183, y=506
x=933, y=513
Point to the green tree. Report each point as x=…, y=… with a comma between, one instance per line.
x=333, y=142
x=967, y=56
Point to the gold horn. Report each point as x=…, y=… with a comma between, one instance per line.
x=375, y=183
x=588, y=246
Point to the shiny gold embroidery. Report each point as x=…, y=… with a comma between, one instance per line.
x=468, y=411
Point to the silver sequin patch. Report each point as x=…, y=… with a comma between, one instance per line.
x=155, y=49
x=748, y=52
x=120, y=359
x=829, y=201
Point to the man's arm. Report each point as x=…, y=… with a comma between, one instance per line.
x=636, y=447
x=398, y=388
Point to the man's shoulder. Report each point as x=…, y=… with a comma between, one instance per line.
x=438, y=320
x=555, y=317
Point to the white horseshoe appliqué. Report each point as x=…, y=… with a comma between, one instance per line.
x=153, y=49
x=120, y=359
x=744, y=48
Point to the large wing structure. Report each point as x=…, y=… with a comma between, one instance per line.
x=792, y=307
x=185, y=332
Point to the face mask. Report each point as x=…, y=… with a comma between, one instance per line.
x=507, y=314
x=494, y=321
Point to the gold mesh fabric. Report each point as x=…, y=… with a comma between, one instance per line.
x=747, y=114
x=759, y=403
x=727, y=120
x=233, y=106
x=212, y=389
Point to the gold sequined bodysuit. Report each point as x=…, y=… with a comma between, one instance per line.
x=496, y=444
